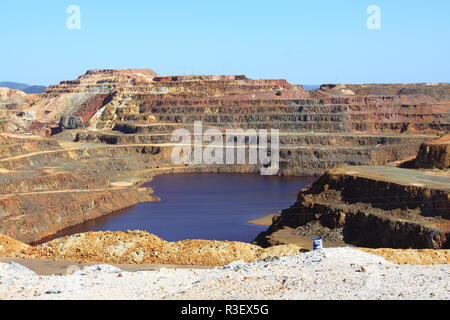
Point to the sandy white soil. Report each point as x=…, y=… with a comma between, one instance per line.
x=338, y=273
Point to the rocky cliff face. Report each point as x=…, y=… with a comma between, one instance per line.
x=12, y=116
x=383, y=207
x=319, y=129
x=84, y=96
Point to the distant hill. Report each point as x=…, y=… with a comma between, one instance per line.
x=22, y=87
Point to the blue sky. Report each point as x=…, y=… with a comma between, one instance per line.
x=305, y=42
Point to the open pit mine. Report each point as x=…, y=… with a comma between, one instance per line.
x=84, y=148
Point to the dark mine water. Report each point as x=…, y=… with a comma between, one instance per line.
x=203, y=206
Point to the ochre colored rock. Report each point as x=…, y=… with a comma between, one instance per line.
x=137, y=247
x=84, y=147
x=10, y=247
x=377, y=207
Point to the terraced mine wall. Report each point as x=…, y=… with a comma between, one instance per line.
x=372, y=210
x=112, y=133
x=318, y=130
x=46, y=187
x=435, y=154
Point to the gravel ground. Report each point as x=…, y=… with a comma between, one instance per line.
x=338, y=273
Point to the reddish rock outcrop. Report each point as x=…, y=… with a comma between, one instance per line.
x=434, y=154
x=438, y=91
x=376, y=207
x=112, y=127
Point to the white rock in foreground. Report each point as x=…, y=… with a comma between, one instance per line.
x=340, y=273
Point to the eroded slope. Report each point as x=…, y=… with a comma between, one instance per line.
x=379, y=207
